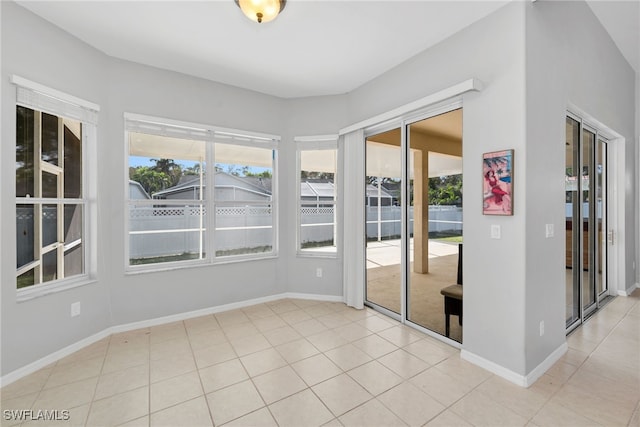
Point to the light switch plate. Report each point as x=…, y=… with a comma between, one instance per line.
x=549, y=231
x=495, y=231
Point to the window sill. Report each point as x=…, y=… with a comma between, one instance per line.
x=317, y=255
x=242, y=258
x=37, y=291
x=131, y=271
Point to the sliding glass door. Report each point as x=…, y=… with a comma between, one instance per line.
x=384, y=220
x=413, y=205
x=434, y=289
x=586, y=207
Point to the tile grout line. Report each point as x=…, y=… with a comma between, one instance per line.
x=553, y=394
x=193, y=355
x=95, y=389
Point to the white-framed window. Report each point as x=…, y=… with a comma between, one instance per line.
x=54, y=243
x=178, y=173
x=244, y=200
x=317, y=183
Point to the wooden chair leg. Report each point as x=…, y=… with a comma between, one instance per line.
x=446, y=325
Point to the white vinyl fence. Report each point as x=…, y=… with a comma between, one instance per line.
x=384, y=222
x=168, y=231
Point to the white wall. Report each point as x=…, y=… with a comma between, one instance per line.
x=140, y=89
x=309, y=117
x=571, y=60
x=35, y=328
x=510, y=284
x=491, y=50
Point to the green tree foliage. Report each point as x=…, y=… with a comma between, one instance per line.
x=170, y=168
x=192, y=170
x=151, y=180
x=164, y=174
x=263, y=174
x=316, y=175
x=446, y=190
x=242, y=171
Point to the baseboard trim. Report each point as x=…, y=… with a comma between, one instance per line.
x=493, y=367
x=195, y=313
x=52, y=358
x=314, y=297
x=547, y=363
x=509, y=375
x=629, y=290
x=79, y=345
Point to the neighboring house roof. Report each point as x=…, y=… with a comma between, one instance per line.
x=322, y=188
x=223, y=179
x=135, y=186
x=392, y=188
x=259, y=182
x=372, y=191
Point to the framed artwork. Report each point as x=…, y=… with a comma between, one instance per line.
x=497, y=183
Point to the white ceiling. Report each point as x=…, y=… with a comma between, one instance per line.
x=313, y=48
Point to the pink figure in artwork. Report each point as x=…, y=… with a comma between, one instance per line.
x=494, y=184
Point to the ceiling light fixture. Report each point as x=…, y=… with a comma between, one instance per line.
x=261, y=10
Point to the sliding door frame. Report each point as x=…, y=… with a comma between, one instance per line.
x=595, y=256
x=402, y=122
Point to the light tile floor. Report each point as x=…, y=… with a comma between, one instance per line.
x=308, y=363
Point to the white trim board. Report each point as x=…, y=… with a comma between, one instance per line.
x=509, y=375
x=54, y=93
x=79, y=345
x=470, y=85
x=627, y=292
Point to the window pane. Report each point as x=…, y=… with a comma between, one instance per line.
x=166, y=168
x=243, y=173
x=50, y=138
x=159, y=234
x=73, y=261
x=49, y=224
x=72, y=159
x=42, y=229
x=72, y=224
x=317, y=200
x=26, y=279
x=317, y=228
x=24, y=152
x=49, y=185
x=50, y=266
x=243, y=230
x=25, y=234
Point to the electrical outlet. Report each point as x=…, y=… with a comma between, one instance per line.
x=541, y=327
x=75, y=309
x=318, y=272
